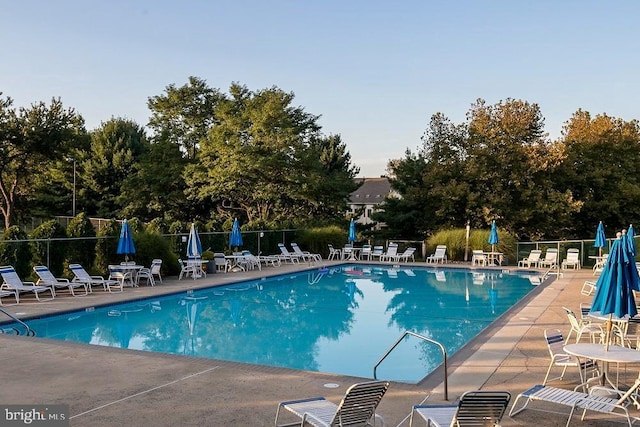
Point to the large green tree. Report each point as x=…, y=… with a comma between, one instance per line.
x=256, y=162
x=115, y=152
x=31, y=139
x=602, y=157
x=185, y=114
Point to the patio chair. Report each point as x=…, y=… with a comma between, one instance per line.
x=593, y=330
x=601, y=261
x=560, y=359
x=439, y=256
x=357, y=407
x=334, y=253
x=222, y=263
x=572, y=260
x=531, y=260
x=550, y=259
x=150, y=273
x=81, y=276
x=479, y=258
x=12, y=283
x=46, y=278
x=250, y=261
x=597, y=399
x=475, y=408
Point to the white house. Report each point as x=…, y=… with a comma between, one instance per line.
x=368, y=197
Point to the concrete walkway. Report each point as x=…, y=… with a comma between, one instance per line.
x=114, y=387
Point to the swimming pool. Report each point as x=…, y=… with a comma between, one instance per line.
x=338, y=320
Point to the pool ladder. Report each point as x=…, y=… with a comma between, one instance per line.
x=28, y=331
x=422, y=337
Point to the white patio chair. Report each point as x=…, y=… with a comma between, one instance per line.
x=12, y=283
x=46, y=278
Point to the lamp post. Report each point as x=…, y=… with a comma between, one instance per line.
x=73, y=205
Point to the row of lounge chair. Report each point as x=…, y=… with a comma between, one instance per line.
x=550, y=259
x=358, y=408
x=82, y=283
x=372, y=253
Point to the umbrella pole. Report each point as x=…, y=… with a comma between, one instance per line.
x=608, y=334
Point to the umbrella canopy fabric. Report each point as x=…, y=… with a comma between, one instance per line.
x=631, y=241
x=125, y=243
x=352, y=231
x=616, y=282
x=493, y=236
x=601, y=238
x=194, y=247
x=235, y=239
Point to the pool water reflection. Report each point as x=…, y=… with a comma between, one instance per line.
x=338, y=320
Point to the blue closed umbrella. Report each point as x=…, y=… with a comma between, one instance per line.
x=493, y=236
x=352, y=231
x=631, y=240
x=194, y=247
x=125, y=243
x=601, y=238
x=235, y=239
x=615, y=286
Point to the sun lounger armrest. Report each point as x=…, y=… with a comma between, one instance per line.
x=62, y=279
x=97, y=277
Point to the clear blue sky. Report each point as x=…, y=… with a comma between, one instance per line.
x=376, y=71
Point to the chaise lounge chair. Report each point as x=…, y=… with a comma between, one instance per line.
x=12, y=283
x=475, y=408
x=46, y=278
x=550, y=259
x=305, y=255
x=81, y=276
x=439, y=256
x=288, y=256
x=531, y=260
x=596, y=400
x=357, y=407
x=572, y=260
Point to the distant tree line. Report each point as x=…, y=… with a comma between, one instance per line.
x=210, y=156
x=204, y=155
x=499, y=164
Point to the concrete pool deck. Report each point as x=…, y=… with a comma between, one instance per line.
x=109, y=386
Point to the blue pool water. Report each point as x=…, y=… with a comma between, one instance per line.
x=338, y=320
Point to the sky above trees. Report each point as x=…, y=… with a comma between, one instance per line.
x=375, y=71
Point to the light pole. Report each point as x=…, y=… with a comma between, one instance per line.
x=73, y=206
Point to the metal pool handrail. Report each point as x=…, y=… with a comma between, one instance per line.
x=29, y=332
x=422, y=337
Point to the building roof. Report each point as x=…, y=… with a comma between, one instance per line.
x=372, y=191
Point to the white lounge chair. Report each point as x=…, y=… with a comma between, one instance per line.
x=572, y=260
x=405, y=256
x=391, y=253
x=365, y=252
x=475, y=408
x=305, y=255
x=46, y=278
x=81, y=275
x=550, y=259
x=377, y=252
x=598, y=400
x=288, y=256
x=531, y=260
x=357, y=407
x=9, y=293
x=13, y=283
x=439, y=256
